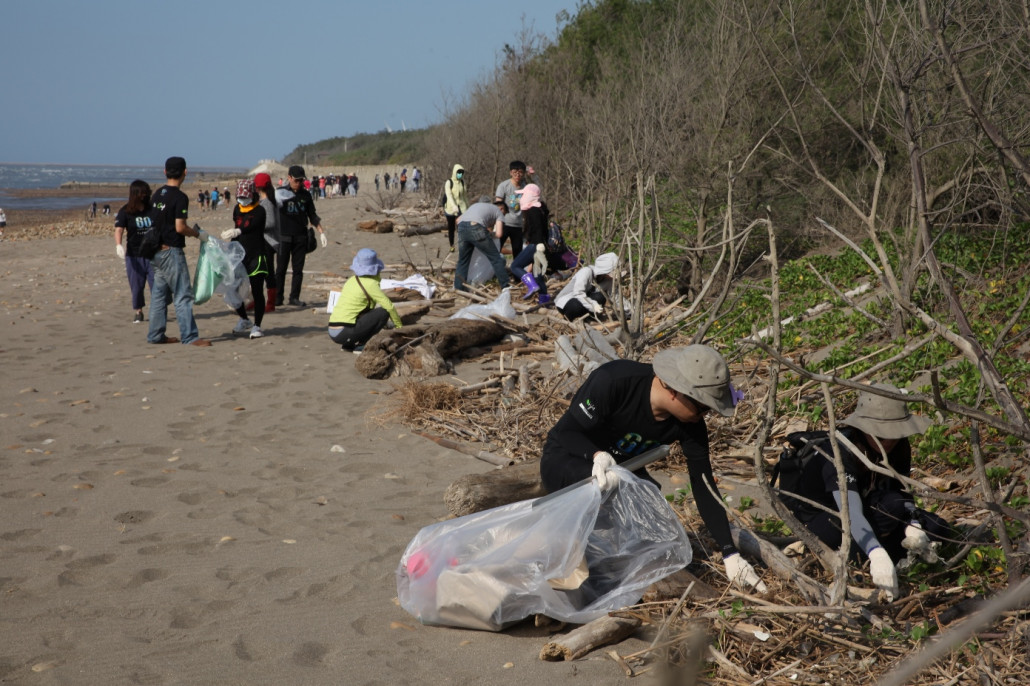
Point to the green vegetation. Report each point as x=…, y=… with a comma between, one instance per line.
x=398, y=147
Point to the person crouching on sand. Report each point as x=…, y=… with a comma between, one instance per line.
x=356, y=317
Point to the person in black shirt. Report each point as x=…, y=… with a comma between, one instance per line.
x=133, y=219
x=626, y=408
x=296, y=209
x=171, y=273
x=248, y=218
x=885, y=523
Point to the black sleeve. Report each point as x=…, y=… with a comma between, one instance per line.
x=582, y=416
x=699, y=467
x=312, y=215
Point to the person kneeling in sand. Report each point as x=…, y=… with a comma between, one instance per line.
x=355, y=318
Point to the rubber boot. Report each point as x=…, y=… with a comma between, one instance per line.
x=270, y=300
x=544, y=299
x=529, y=281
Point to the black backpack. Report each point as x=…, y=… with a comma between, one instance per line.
x=555, y=238
x=802, y=446
x=443, y=194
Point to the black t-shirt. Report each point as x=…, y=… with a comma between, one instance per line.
x=534, y=224
x=170, y=204
x=611, y=411
x=252, y=238
x=135, y=225
x=819, y=477
x=296, y=208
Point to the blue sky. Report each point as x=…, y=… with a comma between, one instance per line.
x=227, y=82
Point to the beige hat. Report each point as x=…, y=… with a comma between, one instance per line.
x=698, y=372
x=885, y=417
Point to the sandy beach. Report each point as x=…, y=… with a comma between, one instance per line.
x=228, y=515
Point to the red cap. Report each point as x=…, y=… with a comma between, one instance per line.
x=262, y=180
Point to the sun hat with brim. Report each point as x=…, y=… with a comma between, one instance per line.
x=366, y=263
x=884, y=417
x=698, y=372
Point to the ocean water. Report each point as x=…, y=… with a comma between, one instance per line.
x=31, y=176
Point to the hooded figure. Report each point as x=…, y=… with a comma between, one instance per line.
x=589, y=290
x=455, y=201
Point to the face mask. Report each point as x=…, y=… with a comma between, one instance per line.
x=243, y=201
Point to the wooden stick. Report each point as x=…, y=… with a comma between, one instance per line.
x=484, y=455
x=595, y=634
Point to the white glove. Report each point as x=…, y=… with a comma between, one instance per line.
x=740, y=573
x=602, y=463
x=230, y=234
x=390, y=324
x=321, y=237
x=540, y=247
x=539, y=264
x=201, y=233
x=916, y=539
x=593, y=305
x=120, y=250
x=884, y=576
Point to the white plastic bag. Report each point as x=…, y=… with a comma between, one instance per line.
x=501, y=306
x=574, y=558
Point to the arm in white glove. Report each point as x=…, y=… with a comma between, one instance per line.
x=602, y=463
x=884, y=576
x=230, y=234
x=120, y=250
x=740, y=573
x=593, y=305
x=201, y=233
x=321, y=237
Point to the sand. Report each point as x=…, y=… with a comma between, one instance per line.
x=228, y=515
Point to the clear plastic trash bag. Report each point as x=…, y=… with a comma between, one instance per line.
x=574, y=558
x=480, y=269
x=501, y=306
x=220, y=270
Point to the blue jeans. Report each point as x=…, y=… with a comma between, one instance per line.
x=171, y=285
x=470, y=237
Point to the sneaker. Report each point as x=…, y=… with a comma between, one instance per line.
x=256, y=332
x=138, y=318
x=357, y=349
x=242, y=327
x=298, y=303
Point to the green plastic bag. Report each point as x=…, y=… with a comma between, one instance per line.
x=206, y=277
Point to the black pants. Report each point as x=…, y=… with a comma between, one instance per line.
x=293, y=248
x=369, y=324
x=574, y=309
x=514, y=234
x=888, y=512
x=452, y=221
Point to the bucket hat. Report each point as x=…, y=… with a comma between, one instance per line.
x=698, y=372
x=366, y=263
x=885, y=417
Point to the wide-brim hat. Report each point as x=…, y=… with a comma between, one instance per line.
x=885, y=417
x=366, y=263
x=698, y=372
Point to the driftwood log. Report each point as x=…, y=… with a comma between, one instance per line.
x=597, y=633
x=376, y=226
x=423, y=350
x=421, y=230
x=478, y=492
